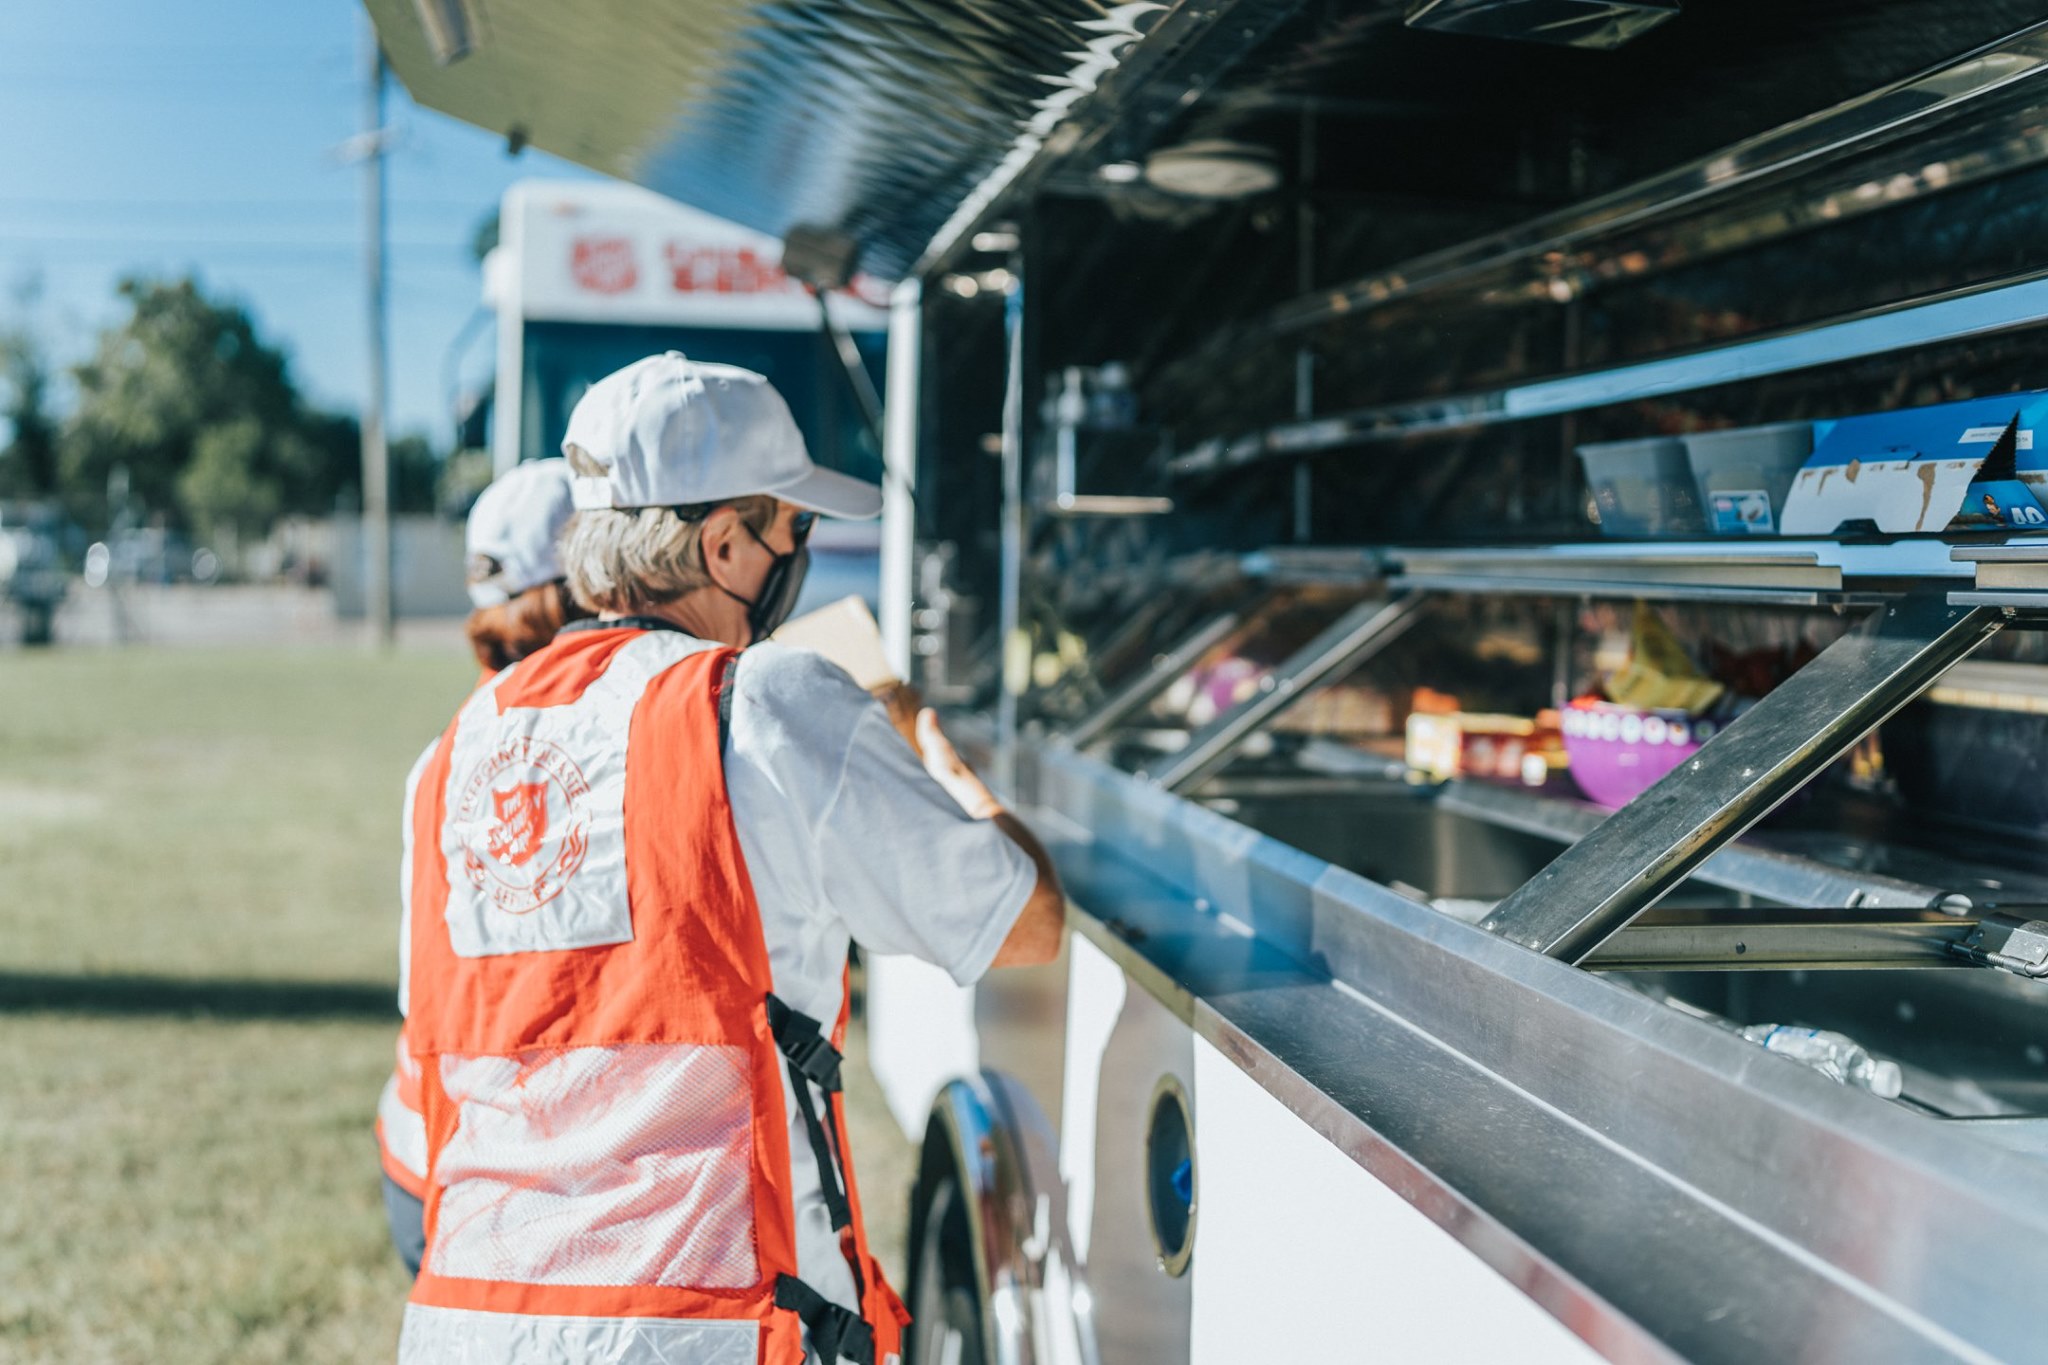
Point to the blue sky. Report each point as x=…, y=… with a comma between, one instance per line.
x=200, y=137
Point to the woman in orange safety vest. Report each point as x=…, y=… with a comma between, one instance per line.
x=639, y=856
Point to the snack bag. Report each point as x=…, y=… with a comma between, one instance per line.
x=1659, y=675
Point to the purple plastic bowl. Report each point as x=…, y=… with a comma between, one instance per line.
x=1619, y=752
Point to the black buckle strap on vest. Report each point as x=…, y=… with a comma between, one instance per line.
x=836, y=1332
x=802, y=1040
x=812, y=1061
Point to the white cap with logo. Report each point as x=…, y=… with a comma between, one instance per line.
x=515, y=524
x=672, y=432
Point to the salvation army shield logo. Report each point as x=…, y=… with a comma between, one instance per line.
x=604, y=265
x=521, y=814
x=524, y=821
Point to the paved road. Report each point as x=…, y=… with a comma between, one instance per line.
x=190, y=615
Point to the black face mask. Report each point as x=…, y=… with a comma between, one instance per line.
x=784, y=581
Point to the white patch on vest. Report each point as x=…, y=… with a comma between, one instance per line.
x=463, y=1336
x=535, y=831
x=622, y=1165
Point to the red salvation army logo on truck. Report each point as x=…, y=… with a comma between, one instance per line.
x=696, y=269
x=525, y=822
x=604, y=265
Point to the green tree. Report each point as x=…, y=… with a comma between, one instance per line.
x=205, y=417
x=415, y=474
x=28, y=464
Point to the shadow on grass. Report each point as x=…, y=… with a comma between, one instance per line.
x=194, y=997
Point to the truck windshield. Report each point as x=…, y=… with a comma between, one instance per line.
x=562, y=359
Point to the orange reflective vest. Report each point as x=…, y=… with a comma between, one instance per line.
x=600, y=1053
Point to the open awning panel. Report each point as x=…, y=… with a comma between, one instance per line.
x=876, y=117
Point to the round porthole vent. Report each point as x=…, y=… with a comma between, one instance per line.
x=1170, y=1176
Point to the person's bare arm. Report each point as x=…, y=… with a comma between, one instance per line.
x=1035, y=937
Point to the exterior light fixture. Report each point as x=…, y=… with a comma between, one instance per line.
x=451, y=29
x=1120, y=172
x=1213, y=169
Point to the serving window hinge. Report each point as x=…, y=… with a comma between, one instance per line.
x=2009, y=943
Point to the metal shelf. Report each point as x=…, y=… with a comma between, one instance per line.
x=1740, y=866
x=1808, y=173
x=1316, y=565
x=1104, y=505
x=1760, y=572
x=2021, y=301
x=1889, y=116
x=2013, y=576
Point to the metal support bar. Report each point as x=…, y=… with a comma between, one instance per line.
x=1782, y=947
x=1356, y=636
x=1010, y=592
x=899, y=473
x=1642, y=851
x=1161, y=675
x=857, y=377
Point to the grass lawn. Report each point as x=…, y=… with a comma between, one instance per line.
x=198, y=867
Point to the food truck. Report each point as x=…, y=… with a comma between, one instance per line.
x=1499, y=542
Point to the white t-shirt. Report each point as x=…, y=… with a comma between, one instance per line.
x=847, y=838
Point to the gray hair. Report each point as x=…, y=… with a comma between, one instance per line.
x=630, y=559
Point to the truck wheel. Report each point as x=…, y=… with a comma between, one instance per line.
x=945, y=1326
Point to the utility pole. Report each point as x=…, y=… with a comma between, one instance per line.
x=376, y=456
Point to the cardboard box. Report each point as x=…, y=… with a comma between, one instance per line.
x=1974, y=465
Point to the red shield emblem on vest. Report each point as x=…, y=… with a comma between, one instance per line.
x=521, y=824
x=604, y=265
x=523, y=810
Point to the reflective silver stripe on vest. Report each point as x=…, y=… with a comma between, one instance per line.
x=403, y=1130
x=618, y=1165
x=463, y=1336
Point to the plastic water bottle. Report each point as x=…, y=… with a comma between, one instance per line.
x=1832, y=1055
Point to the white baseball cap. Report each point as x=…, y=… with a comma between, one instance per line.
x=671, y=431
x=515, y=523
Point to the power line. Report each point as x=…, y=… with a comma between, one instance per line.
x=335, y=205
x=149, y=242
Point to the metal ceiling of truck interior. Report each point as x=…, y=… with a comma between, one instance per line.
x=903, y=122
x=881, y=118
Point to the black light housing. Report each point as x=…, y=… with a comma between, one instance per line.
x=822, y=257
x=1600, y=24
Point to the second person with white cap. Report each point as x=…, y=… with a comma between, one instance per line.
x=519, y=600
x=640, y=857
